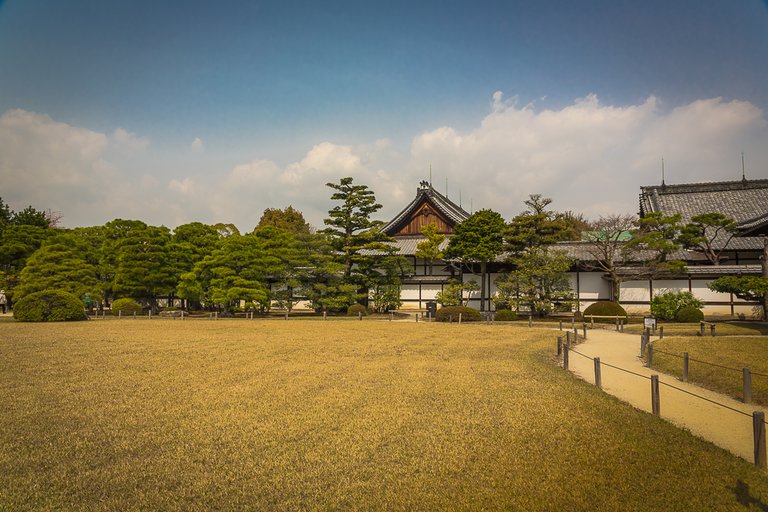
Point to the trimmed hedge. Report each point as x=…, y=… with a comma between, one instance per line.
x=451, y=313
x=503, y=315
x=127, y=306
x=689, y=315
x=49, y=306
x=356, y=309
x=605, y=308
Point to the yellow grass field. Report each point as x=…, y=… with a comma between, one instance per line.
x=236, y=414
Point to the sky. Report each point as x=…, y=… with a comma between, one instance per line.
x=174, y=111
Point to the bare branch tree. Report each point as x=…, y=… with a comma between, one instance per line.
x=606, y=247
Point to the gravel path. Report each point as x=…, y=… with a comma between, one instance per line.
x=723, y=427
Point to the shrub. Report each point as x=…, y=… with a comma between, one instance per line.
x=689, y=314
x=356, y=309
x=127, y=306
x=49, y=306
x=605, y=308
x=503, y=315
x=666, y=305
x=448, y=313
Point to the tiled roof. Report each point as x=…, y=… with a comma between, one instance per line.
x=755, y=225
x=740, y=200
x=448, y=208
x=407, y=245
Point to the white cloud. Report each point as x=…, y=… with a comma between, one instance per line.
x=587, y=156
x=197, y=145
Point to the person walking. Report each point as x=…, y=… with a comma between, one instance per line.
x=3, y=300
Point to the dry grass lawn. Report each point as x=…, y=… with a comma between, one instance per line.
x=200, y=415
x=734, y=352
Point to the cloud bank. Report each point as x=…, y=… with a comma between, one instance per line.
x=589, y=157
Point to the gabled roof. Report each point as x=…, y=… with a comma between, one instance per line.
x=740, y=200
x=425, y=193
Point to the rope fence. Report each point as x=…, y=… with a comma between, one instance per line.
x=657, y=351
x=758, y=417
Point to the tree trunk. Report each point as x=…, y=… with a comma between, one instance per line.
x=483, y=269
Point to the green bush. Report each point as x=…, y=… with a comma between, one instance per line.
x=356, y=309
x=49, y=306
x=127, y=306
x=689, y=314
x=451, y=313
x=605, y=308
x=665, y=305
x=503, y=315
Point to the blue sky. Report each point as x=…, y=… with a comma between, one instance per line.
x=174, y=111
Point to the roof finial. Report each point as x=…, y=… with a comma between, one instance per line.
x=430, y=175
x=663, y=184
x=743, y=172
x=459, y=198
x=446, y=187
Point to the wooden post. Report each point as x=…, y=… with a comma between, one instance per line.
x=573, y=320
x=286, y=315
x=561, y=325
x=417, y=318
x=661, y=332
x=530, y=321
x=360, y=315
x=585, y=330
x=598, y=375
x=655, y=402
x=134, y=315
x=565, y=356
x=758, y=429
x=120, y=314
x=650, y=355
x=685, y=366
x=390, y=316
x=559, y=346
x=701, y=328
x=575, y=334
x=215, y=315
x=642, y=345
x=149, y=314
x=712, y=330
x=568, y=336
x=747, y=377
x=325, y=315
x=459, y=318
x=591, y=321
x=621, y=324
x=617, y=324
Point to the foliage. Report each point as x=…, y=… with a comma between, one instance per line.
x=126, y=306
x=751, y=288
x=429, y=249
x=18, y=243
x=654, y=241
x=505, y=315
x=30, y=216
x=6, y=214
x=289, y=219
x=605, y=308
x=538, y=226
x=478, y=239
x=703, y=235
x=540, y=282
x=356, y=309
x=49, y=306
x=452, y=293
x=665, y=305
x=689, y=314
x=606, y=247
x=385, y=297
x=451, y=314
x=65, y=262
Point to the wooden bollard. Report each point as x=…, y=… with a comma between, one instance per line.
x=685, y=366
x=650, y=355
x=559, y=346
x=661, y=331
x=591, y=321
x=360, y=315
x=530, y=321
x=598, y=375
x=621, y=324
x=390, y=316
x=712, y=330
x=655, y=402
x=617, y=325
x=325, y=315
x=134, y=315
x=747, y=378
x=417, y=317
x=215, y=315
x=642, y=345
x=459, y=318
x=584, y=327
x=120, y=313
x=565, y=356
x=149, y=314
x=567, y=336
x=701, y=328
x=575, y=334
x=758, y=429
x=286, y=315
x=561, y=325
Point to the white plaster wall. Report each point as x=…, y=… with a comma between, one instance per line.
x=635, y=291
x=409, y=292
x=669, y=285
x=700, y=290
x=429, y=291
x=592, y=286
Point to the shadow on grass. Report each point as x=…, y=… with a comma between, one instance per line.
x=745, y=498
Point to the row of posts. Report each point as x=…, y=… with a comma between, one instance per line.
x=758, y=417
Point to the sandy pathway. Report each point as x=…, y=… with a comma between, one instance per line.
x=723, y=427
